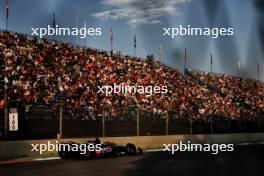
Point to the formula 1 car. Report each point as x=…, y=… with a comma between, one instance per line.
x=93, y=149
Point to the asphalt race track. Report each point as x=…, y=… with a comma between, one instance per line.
x=246, y=160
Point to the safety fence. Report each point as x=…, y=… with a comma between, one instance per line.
x=42, y=123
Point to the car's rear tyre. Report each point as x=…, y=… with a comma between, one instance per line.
x=89, y=155
x=140, y=151
x=63, y=155
x=131, y=149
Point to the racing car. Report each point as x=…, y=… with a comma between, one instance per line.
x=95, y=149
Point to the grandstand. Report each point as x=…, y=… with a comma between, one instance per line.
x=39, y=72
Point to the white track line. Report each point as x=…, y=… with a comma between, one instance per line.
x=43, y=159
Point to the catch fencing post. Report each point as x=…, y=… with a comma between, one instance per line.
x=61, y=116
x=167, y=123
x=6, y=112
x=137, y=121
x=103, y=123
x=211, y=124
x=60, y=100
x=191, y=125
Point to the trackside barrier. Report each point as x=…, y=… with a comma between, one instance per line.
x=11, y=149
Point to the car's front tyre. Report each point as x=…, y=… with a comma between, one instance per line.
x=131, y=149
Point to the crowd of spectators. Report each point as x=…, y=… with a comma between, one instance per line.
x=39, y=71
x=245, y=93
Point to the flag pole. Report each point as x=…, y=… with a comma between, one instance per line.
x=161, y=52
x=7, y=14
x=85, y=39
x=134, y=52
x=135, y=45
x=238, y=70
x=111, y=41
x=258, y=72
x=185, y=58
x=6, y=24
x=54, y=24
x=211, y=56
x=77, y=23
